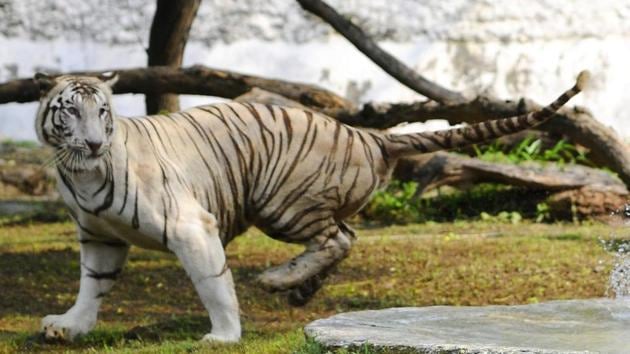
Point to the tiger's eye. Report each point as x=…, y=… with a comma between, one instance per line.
x=102, y=111
x=73, y=111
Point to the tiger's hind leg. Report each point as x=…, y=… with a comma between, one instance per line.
x=303, y=275
x=303, y=293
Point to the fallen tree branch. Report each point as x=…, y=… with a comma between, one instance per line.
x=443, y=168
x=586, y=203
x=577, y=124
x=386, y=61
x=573, y=191
x=194, y=80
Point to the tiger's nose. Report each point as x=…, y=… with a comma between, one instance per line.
x=94, y=146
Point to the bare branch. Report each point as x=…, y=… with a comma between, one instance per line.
x=386, y=61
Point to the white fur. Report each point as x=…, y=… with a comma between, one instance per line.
x=192, y=233
x=194, y=240
x=81, y=317
x=418, y=127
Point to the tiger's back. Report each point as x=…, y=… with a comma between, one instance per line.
x=288, y=171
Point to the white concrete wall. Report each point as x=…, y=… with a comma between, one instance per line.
x=510, y=48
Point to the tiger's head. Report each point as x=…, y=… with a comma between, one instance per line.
x=75, y=117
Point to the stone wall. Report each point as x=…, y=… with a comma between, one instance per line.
x=509, y=48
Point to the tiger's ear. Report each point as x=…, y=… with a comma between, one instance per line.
x=109, y=78
x=44, y=82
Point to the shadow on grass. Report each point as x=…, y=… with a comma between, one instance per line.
x=29, y=280
x=183, y=328
x=153, y=301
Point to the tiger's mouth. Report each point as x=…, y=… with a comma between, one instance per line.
x=95, y=155
x=80, y=160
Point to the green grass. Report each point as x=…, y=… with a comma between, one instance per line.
x=399, y=203
x=531, y=149
x=153, y=307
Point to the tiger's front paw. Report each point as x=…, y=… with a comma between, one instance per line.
x=65, y=327
x=221, y=338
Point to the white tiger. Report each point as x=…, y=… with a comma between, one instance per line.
x=191, y=181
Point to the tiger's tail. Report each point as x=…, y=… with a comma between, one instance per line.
x=400, y=145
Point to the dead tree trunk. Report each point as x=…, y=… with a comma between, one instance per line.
x=169, y=33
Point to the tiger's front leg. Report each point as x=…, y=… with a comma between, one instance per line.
x=101, y=262
x=198, y=247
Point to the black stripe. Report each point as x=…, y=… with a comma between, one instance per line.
x=288, y=126
x=126, y=173
x=101, y=275
x=116, y=244
x=135, y=223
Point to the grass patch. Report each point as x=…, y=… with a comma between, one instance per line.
x=154, y=308
x=531, y=149
x=400, y=203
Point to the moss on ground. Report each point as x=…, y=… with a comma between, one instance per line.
x=153, y=307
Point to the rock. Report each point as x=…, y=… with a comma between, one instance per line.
x=571, y=326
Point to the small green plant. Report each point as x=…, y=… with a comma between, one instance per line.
x=310, y=347
x=396, y=204
x=400, y=203
x=530, y=149
x=512, y=217
x=543, y=212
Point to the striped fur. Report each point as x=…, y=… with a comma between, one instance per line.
x=191, y=181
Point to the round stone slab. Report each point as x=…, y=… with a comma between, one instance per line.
x=572, y=326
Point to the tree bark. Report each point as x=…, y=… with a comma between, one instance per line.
x=443, y=168
x=169, y=34
x=585, y=203
x=194, y=80
x=574, y=191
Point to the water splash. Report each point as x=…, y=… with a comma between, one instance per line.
x=619, y=280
